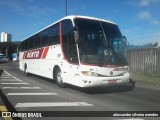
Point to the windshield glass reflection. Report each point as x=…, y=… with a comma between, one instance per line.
x=100, y=43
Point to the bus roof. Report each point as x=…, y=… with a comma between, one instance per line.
x=72, y=17
x=86, y=17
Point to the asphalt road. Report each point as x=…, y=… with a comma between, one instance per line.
x=33, y=93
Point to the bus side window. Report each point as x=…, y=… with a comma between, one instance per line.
x=31, y=42
x=37, y=42
x=54, y=34
x=44, y=36
x=26, y=44
x=22, y=47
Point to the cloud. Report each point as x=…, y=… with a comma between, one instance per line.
x=143, y=3
x=147, y=16
x=151, y=9
x=144, y=15
x=148, y=2
x=133, y=36
x=26, y=8
x=156, y=22
x=35, y=10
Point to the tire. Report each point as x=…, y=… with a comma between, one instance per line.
x=131, y=84
x=26, y=70
x=59, y=78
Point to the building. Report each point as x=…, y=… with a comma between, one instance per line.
x=6, y=37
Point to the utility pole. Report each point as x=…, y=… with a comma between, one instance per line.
x=158, y=38
x=6, y=52
x=17, y=49
x=66, y=7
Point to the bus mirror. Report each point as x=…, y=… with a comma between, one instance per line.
x=76, y=36
x=124, y=40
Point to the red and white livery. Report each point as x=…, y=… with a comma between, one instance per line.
x=78, y=50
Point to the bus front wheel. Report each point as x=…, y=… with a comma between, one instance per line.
x=59, y=78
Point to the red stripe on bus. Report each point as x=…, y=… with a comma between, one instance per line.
x=45, y=52
x=60, y=34
x=33, y=54
x=24, y=54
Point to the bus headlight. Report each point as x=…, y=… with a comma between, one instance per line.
x=88, y=73
x=126, y=73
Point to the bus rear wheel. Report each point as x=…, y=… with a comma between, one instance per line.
x=26, y=70
x=59, y=78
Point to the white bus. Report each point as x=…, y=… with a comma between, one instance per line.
x=77, y=50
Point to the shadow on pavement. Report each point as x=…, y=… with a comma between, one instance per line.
x=1, y=72
x=110, y=89
x=104, y=90
x=3, y=62
x=95, y=90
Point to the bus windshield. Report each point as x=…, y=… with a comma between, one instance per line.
x=100, y=43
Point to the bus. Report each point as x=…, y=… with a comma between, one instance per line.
x=78, y=50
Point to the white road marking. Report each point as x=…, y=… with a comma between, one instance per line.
x=13, y=83
x=21, y=88
x=8, y=79
x=12, y=76
x=131, y=119
x=32, y=94
x=5, y=74
x=52, y=104
x=5, y=77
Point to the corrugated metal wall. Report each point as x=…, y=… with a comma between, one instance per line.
x=145, y=61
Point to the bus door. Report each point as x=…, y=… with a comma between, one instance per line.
x=69, y=49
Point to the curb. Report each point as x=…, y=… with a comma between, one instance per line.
x=1, y=101
x=3, y=109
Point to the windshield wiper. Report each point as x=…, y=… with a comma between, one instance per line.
x=105, y=38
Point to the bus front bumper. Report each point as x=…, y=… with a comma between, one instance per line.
x=89, y=81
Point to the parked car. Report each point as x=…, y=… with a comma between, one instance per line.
x=3, y=58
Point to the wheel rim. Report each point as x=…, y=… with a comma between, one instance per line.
x=60, y=78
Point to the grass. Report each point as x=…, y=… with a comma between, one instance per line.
x=145, y=79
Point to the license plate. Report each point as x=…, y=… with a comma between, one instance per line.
x=111, y=81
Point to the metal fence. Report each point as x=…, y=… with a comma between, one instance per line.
x=144, y=61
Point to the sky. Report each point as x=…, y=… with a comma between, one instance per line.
x=138, y=20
